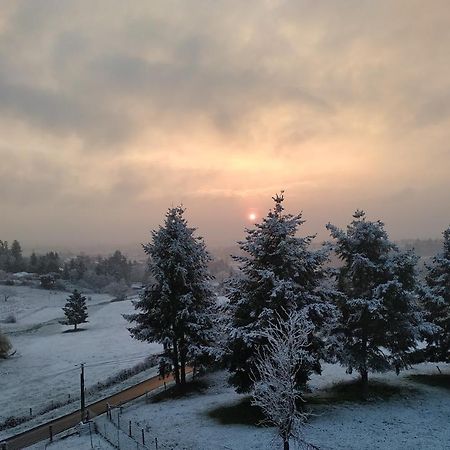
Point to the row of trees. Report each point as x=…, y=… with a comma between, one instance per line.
x=113, y=267
x=369, y=319
x=99, y=273
x=369, y=314
x=12, y=260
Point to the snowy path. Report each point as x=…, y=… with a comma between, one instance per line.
x=41, y=432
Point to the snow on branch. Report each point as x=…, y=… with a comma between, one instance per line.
x=275, y=389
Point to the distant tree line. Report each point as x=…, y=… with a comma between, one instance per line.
x=91, y=272
x=12, y=260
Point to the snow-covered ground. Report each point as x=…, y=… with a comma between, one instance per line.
x=46, y=365
x=417, y=420
x=75, y=442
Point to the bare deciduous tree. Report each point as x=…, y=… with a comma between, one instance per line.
x=275, y=389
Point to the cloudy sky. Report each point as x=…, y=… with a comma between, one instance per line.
x=112, y=111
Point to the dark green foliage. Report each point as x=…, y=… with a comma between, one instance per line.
x=115, y=265
x=380, y=319
x=277, y=273
x=176, y=309
x=75, y=310
x=436, y=300
x=47, y=281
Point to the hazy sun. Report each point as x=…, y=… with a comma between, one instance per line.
x=252, y=216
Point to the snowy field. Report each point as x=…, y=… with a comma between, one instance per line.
x=418, y=419
x=46, y=364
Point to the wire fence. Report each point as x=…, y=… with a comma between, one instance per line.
x=125, y=434
x=93, y=391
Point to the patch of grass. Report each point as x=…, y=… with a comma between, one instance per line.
x=175, y=392
x=441, y=380
x=352, y=392
x=241, y=413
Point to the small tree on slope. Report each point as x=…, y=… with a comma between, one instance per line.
x=275, y=389
x=279, y=273
x=380, y=318
x=176, y=310
x=437, y=303
x=75, y=310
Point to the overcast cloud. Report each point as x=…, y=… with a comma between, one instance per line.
x=112, y=111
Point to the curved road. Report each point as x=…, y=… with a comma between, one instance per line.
x=63, y=423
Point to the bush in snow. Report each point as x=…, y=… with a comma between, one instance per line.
x=380, y=318
x=5, y=345
x=278, y=273
x=75, y=310
x=437, y=303
x=176, y=309
x=275, y=389
x=10, y=318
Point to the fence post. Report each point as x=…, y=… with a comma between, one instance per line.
x=143, y=436
x=156, y=443
x=31, y=412
x=118, y=429
x=129, y=428
x=50, y=431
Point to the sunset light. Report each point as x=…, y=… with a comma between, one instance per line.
x=247, y=197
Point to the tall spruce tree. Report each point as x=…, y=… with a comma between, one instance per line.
x=17, y=261
x=437, y=303
x=75, y=310
x=176, y=309
x=278, y=274
x=380, y=318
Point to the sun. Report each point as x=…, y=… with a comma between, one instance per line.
x=252, y=216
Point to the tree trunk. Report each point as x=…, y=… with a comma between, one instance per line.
x=364, y=383
x=75, y=325
x=183, y=362
x=286, y=445
x=176, y=365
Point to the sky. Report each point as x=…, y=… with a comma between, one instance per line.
x=113, y=111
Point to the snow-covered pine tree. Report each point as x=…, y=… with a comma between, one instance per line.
x=380, y=317
x=176, y=309
x=277, y=273
x=75, y=310
x=437, y=303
